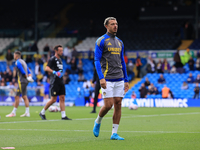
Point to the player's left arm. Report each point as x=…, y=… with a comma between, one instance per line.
x=124, y=69
x=29, y=78
x=29, y=72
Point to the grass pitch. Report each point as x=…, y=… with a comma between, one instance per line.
x=143, y=129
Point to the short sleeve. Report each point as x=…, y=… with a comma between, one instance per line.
x=50, y=62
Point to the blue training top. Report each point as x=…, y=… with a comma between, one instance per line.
x=109, y=58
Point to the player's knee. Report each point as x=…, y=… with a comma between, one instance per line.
x=54, y=100
x=62, y=98
x=16, y=97
x=24, y=97
x=118, y=104
x=108, y=107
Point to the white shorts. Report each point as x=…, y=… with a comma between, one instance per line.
x=113, y=89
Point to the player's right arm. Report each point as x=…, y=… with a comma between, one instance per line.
x=49, y=66
x=21, y=69
x=99, y=45
x=48, y=69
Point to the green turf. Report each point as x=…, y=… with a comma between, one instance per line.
x=143, y=129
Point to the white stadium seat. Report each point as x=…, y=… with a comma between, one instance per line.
x=52, y=42
x=4, y=42
x=86, y=44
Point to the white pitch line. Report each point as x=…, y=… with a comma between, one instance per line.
x=131, y=116
x=53, y=130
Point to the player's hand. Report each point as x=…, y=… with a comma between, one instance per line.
x=103, y=83
x=126, y=86
x=58, y=73
x=30, y=79
x=61, y=73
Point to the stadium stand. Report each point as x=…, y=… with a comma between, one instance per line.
x=153, y=36
x=144, y=34
x=3, y=66
x=4, y=42
x=71, y=88
x=86, y=44
x=23, y=18
x=173, y=81
x=52, y=42
x=137, y=31
x=195, y=44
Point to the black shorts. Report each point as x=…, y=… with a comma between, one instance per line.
x=22, y=89
x=57, y=89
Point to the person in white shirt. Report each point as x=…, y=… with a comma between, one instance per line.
x=66, y=52
x=86, y=83
x=37, y=68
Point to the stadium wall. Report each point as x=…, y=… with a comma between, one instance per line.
x=158, y=54
x=33, y=101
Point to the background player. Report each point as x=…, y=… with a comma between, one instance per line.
x=96, y=91
x=24, y=76
x=111, y=69
x=55, y=67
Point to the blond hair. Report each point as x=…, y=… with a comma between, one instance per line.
x=107, y=20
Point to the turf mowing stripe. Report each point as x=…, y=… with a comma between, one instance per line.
x=192, y=113
x=28, y=121
x=131, y=116
x=52, y=130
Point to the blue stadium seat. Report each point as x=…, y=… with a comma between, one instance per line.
x=174, y=82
